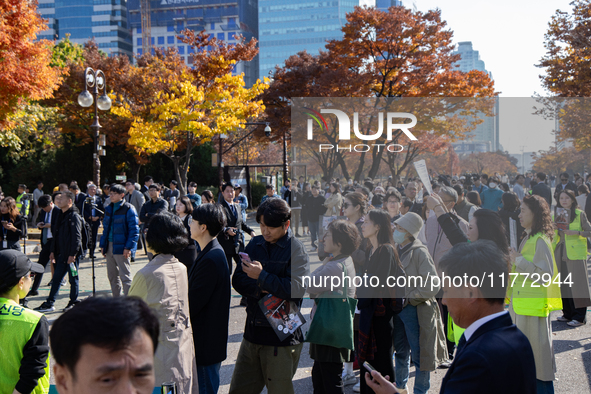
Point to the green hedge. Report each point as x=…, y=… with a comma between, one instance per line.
x=257, y=191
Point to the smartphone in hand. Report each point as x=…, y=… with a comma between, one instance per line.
x=245, y=258
x=369, y=368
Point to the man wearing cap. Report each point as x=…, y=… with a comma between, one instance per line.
x=22, y=201
x=24, y=341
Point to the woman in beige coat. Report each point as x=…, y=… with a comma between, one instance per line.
x=417, y=328
x=163, y=284
x=334, y=203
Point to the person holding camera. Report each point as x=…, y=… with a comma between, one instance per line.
x=12, y=224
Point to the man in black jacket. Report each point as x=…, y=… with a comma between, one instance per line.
x=278, y=263
x=209, y=296
x=230, y=238
x=314, y=208
x=66, y=249
x=541, y=189
x=93, y=214
x=148, y=181
x=564, y=185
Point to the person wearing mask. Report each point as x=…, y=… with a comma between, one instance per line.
x=24, y=365
x=530, y=306
x=340, y=240
x=148, y=180
x=571, y=256
x=464, y=208
x=119, y=241
x=66, y=250
x=188, y=254
x=49, y=213
x=565, y=184
x=540, y=188
x=518, y=188
x=93, y=214
x=12, y=224
x=230, y=237
x=193, y=196
x=417, y=328
x=411, y=193
x=392, y=204
x=491, y=197
x=163, y=285
x=510, y=211
x=105, y=344
x=209, y=296
x=314, y=209
x=263, y=359
x=377, y=305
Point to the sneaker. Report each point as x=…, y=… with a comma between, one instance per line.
x=64, y=281
x=564, y=319
x=575, y=323
x=45, y=307
x=357, y=387
x=349, y=379
x=70, y=305
x=445, y=365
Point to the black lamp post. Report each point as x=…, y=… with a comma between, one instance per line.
x=96, y=82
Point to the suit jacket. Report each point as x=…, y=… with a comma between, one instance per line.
x=42, y=217
x=209, y=304
x=144, y=191
x=230, y=244
x=79, y=202
x=543, y=190
x=136, y=199
x=497, y=355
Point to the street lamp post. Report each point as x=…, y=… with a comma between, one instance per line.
x=96, y=82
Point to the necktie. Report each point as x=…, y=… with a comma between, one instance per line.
x=233, y=210
x=44, y=231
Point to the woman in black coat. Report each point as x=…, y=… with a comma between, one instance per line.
x=12, y=225
x=184, y=209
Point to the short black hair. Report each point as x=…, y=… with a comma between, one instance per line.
x=154, y=186
x=275, y=211
x=148, y=178
x=212, y=215
x=167, y=233
x=106, y=322
x=192, y=184
x=226, y=185
x=174, y=182
x=565, y=175
x=541, y=176
x=130, y=180
x=119, y=189
x=269, y=186
x=407, y=203
x=69, y=195
x=345, y=234
x=74, y=186
x=475, y=258
x=459, y=189
x=44, y=201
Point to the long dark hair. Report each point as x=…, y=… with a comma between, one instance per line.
x=381, y=218
x=573, y=207
x=357, y=199
x=11, y=205
x=510, y=201
x=337, y=187
x=474, y=198
x=490, y=226
x=542, y=222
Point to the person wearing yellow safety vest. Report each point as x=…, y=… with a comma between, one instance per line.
x=571, y=256
x=533, y=287
x=24, y=366
x=22, y=201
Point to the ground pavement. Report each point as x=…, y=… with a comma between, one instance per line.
x=571, y=345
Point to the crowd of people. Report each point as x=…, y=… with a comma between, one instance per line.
x=170, y=321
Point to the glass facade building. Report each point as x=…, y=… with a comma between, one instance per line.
x=385, y=4
x=287, y=27
x=488, y=131
x=221, y=19
x=103, y=20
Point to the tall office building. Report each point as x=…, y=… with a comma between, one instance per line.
x=103, y=20
x=219, y=18
x=287, y=27
x=385, y=4
x=488, y=130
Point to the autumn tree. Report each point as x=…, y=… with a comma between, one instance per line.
x=556, y=161
x=25, y=71
x=488, y=162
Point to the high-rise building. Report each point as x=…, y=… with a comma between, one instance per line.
x=385, y=4
x=219, y=18
x=103, y=20
x=488, y=130
x=287, y=27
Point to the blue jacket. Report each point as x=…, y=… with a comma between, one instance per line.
x=126, y=229
x=492, y=199
x=497, y=353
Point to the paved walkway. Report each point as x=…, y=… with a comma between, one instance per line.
x=571, y=345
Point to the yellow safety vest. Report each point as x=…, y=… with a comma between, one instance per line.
x=17, y=325
x=19, y=205
x=531, y=297
x=576, y=246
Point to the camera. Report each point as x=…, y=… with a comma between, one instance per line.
x=89, y=200
x=267, y=133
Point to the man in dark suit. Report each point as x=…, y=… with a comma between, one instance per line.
x=492, y=349
x=93, y=214
x=148, y=180
x=209, y=296
x=541, y=189
x=564, y=185
x=230, y=238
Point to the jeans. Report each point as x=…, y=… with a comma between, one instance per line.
x=61, y=269
x=314, y=227
x=209, y=378
x=544, y=387
x=406, y=342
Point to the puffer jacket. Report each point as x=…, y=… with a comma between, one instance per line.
x=125, y=228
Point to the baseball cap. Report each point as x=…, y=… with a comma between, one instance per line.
x=14, y=265
x=237, y=186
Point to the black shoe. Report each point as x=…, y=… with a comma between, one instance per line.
x=24, y=303
x=133, y=259
x=70, y=305
x=50, y=283
x=298, y=235
x=243, y=302
x=33, y=293
x=45, y=307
